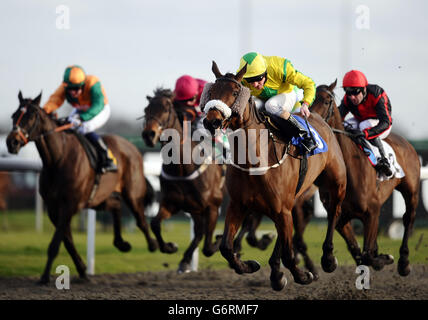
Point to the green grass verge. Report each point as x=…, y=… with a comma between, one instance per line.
x=23, y=251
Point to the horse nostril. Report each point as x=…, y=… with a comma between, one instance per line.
x=148, y=136
x=216, y=123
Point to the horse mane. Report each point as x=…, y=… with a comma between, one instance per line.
x=161, y=92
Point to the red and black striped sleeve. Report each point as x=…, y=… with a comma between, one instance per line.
x=383, y=113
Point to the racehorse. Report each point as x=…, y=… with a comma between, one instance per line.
x=67, y=179
x=272, y=192
x=193, y=188
x=365, y=195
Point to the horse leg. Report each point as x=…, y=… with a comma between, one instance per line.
x=344, y=228
x=234, y=216
x=69, y=245
x=411, y=199
x=61, y=224
x=301, y=219
x=137, y=208
x=164, y=213
x=277, y=278
x=284, y=226
x=198, y=226
x=237, y=243
x=254, y=222
x=371, y=223
x=118, y=241
x=210, y=221
x=328, y=260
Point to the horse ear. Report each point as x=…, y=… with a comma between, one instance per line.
x=37, y=100
x=20, y=97
x=332, y=85
x=216, y=71
x=149, y=98
x=241, y=73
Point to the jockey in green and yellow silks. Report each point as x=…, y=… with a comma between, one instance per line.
x=91, y=109
x=275, y=84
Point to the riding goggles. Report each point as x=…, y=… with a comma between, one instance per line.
x=353, y=91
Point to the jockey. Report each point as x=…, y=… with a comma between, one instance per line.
x=91, y=109
x=275, y=83
x=371, y=110
x=188, y=91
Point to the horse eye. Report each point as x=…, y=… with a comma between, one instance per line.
x=235, y=93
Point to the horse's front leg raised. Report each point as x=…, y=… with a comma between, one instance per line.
x=234, y=217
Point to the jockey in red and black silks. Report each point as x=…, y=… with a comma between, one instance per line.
x=371, y=111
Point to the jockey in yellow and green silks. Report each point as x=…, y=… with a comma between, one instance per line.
x=275, y=84
x=91, y=109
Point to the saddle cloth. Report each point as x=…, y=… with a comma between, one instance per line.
x=321, y=145
x=397, y=170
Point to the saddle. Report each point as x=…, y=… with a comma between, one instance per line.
x=93, y=156
x=91, y=151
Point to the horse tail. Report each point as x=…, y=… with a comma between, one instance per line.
x=150, y=193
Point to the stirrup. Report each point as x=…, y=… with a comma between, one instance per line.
x=309, y=144
x=108, y=166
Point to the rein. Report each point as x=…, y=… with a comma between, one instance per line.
x=26, y=135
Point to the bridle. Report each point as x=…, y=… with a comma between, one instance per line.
x=26, y=134
x=330, y=106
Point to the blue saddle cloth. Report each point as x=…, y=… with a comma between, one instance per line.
x=297, y=141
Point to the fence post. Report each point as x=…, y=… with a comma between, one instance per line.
x=90, y=246
x=39, y=206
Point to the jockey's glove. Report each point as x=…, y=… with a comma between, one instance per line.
x=75, y=120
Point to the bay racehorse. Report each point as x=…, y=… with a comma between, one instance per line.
x=272, y=188
x=365, y=194
x=190, y=187
x=67, y=179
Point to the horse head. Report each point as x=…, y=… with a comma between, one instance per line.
x=226, y=101
x=158, y=115
x=325, y=102
x=26, y=123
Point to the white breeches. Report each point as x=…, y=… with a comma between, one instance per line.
x=369, y=123
x=96, y=122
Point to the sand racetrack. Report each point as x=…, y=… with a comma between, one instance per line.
x=224, y=285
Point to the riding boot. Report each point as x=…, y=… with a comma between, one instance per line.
x=383, y=163
x=308, y=143
x=106, y=163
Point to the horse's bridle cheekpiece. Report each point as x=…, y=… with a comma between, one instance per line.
x=238, y=106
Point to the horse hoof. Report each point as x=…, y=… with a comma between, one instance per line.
x=266, y=241
x=43, y=281
x=329, y=264
x=403, y=268
x=315, y=275
x=169, y=248
x=123, y=246
x=252, y=265
x=387, y=258
x=378, y=264
x=153, y=245
x=184, y=267
x=278, y=284
x=304, y=278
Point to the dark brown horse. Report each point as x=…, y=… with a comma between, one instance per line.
x=193, y=188
x=273, y=189
x=67, y=179
x=365, y=195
